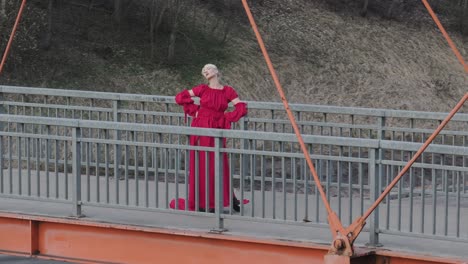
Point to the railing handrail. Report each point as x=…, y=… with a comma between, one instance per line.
x=361, y=111
x=234, y=134
x=182, y=130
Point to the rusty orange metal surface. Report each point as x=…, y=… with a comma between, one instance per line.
x=85, y=241
x=405, y=258
x=14, y=235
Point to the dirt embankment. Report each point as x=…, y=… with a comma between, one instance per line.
x=323, y=55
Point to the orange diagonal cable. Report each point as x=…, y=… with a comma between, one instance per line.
x=432, y=137
x=447, y=37
x=7, y=49
x=333, y=218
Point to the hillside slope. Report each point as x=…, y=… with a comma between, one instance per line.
x=322, y=55
x=325, y=57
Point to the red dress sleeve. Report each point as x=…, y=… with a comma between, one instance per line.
x=184, y=99
x=240, y=109
x=199, y=89
x=231, y=94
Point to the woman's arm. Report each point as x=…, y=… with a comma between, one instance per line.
x=240, y=110
x=235, y=101
x=184, y=99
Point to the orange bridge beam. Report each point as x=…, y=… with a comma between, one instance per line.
x=85, y=241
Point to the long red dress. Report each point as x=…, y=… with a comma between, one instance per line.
x=209, y=114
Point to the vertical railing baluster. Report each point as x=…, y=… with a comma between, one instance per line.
x=374, y=194
x=244, y=161
x=65, y=166
x=219, y=199
x=116, y=104
x=19, y=156
x=106, y=164
x=145, y=162
x=47, y=156
x=76, y=146
x=28, y=163
x=88, y=171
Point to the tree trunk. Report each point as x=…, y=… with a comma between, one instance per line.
x=117, y=15
x=3, y=16
x=85, y=20
x=172, y=41
x=390, y=9
x=2, y=10
x=156, y=18
x=228, y=17
x=364, y=8
x=173, y=34
x=47, y=41
x=464, y=17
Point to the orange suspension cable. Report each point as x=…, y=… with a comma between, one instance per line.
x=447, y=37
x=416, y=156
x=333, y=218
x=7, y=49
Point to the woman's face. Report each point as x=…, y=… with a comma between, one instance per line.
x=209, y=72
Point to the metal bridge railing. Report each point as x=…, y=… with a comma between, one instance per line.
x=144, y=166
x=396, y=125
x=393, y=125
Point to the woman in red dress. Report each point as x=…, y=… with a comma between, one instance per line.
x=214, y=100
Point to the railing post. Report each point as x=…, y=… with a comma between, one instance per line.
x=377, y=184
x=76, y=154
x=243, y=162
x=374, y=194
x=117, y=148
x=2, y=111
x=219, y=175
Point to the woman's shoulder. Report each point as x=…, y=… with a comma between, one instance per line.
x=200, y=86
x=198, y=90
x=228, y=88
x=230, y=92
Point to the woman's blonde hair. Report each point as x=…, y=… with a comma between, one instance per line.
x=211, y=66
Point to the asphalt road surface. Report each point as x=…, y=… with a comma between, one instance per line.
x=23, y=260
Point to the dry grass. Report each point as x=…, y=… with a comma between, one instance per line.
x=322, y=56
x=326, y=58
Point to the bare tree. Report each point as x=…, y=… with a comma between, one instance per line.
x=390, y=9
x=85, y=19
x=389, y=13
x=117, y=15
x=174, y=18
x=2, y=10
x=364, y=8
x=3, y=16
x=464, y=16
x=47, y=40
x=157, y=10
x=228, y=16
